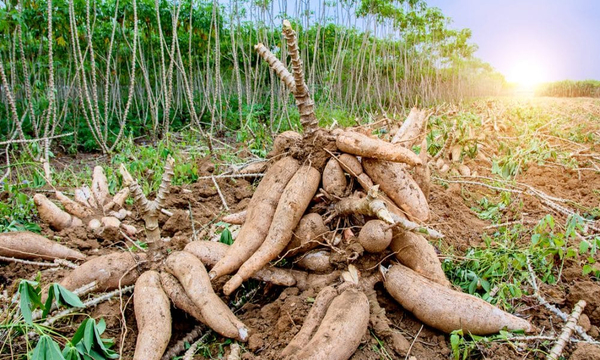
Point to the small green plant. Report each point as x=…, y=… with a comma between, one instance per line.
x=226, y=237
x=17, y=211
x=487, y=210
x=86, y=343
x=465, y=346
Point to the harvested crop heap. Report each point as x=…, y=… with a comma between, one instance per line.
x=319, y=205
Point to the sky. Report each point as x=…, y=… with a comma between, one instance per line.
x=532, y=40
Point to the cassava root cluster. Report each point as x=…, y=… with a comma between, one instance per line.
x=321, y=189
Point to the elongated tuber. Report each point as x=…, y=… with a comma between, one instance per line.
x=341, y=330
x=414, y=251
x=179, y=297
x=359, y=144
x=153, y=316
x=260, y=214
x=54, y=216
x=192, y=275
x=334, y=180
x=294, y=201
x=28, y=245
x=398, y=184
x=108, y=271
x=446, y=309
x=312, y=320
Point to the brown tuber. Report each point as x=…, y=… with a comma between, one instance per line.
x=259, y=217
x=359, y=144
x=334, y=180
x=28, y=245
x=341, y=330
x=445, y=309
x=53, y=215
x=108, y=271
x=375, y=236
x=153, y=316
x=192, y=275
x=309, y=234
x=414, y=251
x=294, y=200
x=396, y=182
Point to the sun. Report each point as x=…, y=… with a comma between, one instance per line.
x=526, y=74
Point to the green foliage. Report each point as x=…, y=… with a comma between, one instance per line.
x=465, y=346
x=226, y=237
x=31, y=299
x=146, y=162
x=231, y=90
x=498, y=270
x=491, y=211
x=18, y=210
x=86, y=344
x=89, y=344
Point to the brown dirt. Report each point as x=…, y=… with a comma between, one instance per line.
x=460, y=225
x=275, y=314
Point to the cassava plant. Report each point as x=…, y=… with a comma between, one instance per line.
x=92, y=207
x=303, y=201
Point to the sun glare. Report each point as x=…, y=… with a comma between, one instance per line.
x=526, y=74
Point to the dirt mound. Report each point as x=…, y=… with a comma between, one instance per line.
x=562, y=182
x=460, y=225
x=585, y=351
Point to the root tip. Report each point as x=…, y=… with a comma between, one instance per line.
x=232, y=284
x=243, y=334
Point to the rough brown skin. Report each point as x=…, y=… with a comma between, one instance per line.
x=210, y=252
x=153, y=316
x=317, y=260
x=259, y=217
x=106, y=271
x=294, y=200
x=350, y=164
x=179, y=297
x=341, y=330
x=312, y=320
x=422, y=174
x=395, y=181
x=28, y=245
x=446, y=309
x=236, y=219
x=53, y=215
x=73, y=207
x=307, y=235
x=359, y=144
x=192, y=275
x=100, y=186
x=375, y=236
x=283, y=142
x=334, y=180
x=84, y=196
x=411, y=128
x=414, y=251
